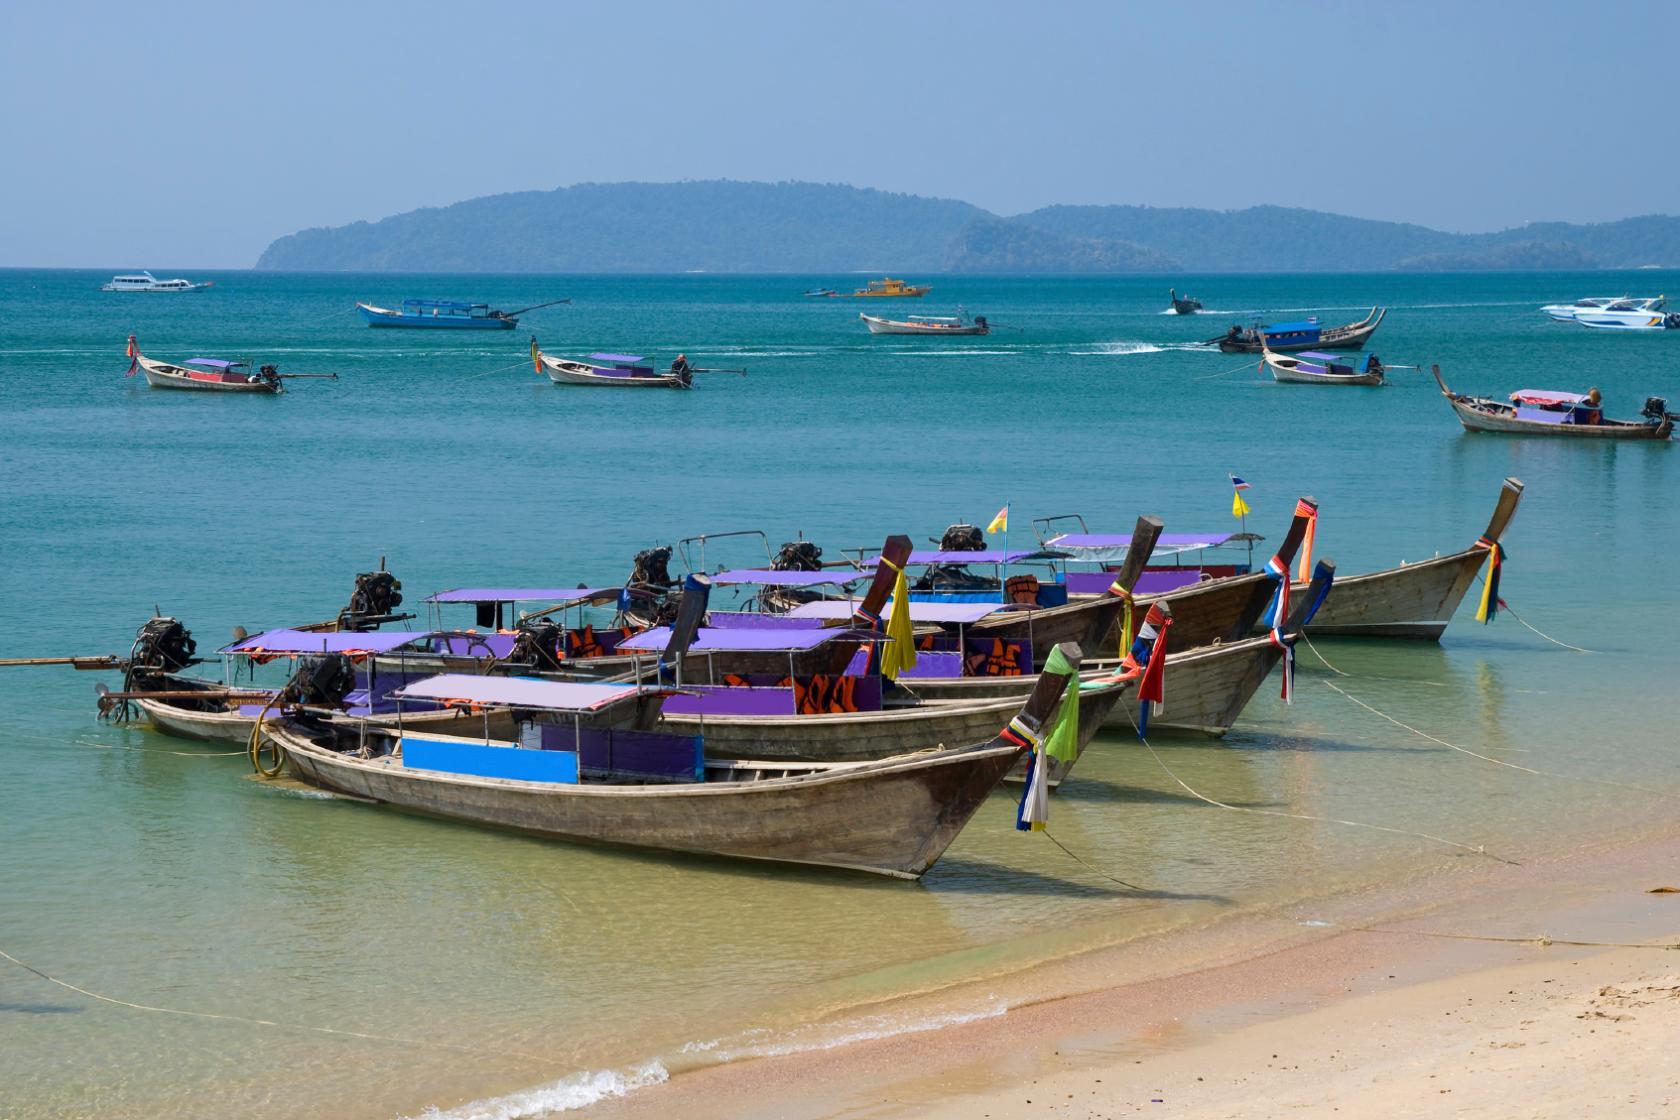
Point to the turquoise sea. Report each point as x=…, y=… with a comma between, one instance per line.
x=533, y=977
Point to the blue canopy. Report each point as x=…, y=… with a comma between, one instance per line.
x=1307, y=326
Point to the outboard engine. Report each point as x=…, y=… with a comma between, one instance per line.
x=322, y=682
x=1655, y=408
x=653, y=567
x=962, y=538
x=162, y=646
x=798, y=556
x=537, y=643
x=980, y=321
x=269, y=375
x=377, y=596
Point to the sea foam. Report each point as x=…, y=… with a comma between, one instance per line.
x=577, y=1091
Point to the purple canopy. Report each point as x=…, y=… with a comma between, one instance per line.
x=940, y=613
x=765, y=577
x=628, y=359
x=730, y=638
x=306, y=641
x=519, y=692
x=1175, y=542
x=522, y=594
x=983, y=556
x=213, y=363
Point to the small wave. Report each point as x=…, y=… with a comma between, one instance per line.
x=950, y=353
x=766, y=1043
x=580, y=1090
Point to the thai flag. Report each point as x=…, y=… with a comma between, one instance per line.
x=1238, y=483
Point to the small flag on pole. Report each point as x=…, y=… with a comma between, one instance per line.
x=1239, y=508
x=1000, y=523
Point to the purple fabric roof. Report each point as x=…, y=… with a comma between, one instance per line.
x=213, y=363
x=521, y=594
x=631, y=359
x=731, y=638
x=941, y=613
x=1176, y=541
x=765, y=577
x=304, y=641
x=520, y=692
x=984, y=556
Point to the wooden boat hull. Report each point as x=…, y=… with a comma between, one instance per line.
x=861, y=736
x=1482, y=415
x=893, y=326
x=1288, y=371
x=1353, y=336
x=1411, y=601
x=160, y=375
x=383, y=317
x=562, y=374
x=232, y=726
x=893, y=817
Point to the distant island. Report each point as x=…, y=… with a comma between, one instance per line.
x=807, y=228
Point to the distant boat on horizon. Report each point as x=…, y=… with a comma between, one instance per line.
x=145, y=282
x=447, y=314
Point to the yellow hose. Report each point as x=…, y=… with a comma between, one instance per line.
x=256, y=745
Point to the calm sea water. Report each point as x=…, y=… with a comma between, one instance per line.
x=536, y=976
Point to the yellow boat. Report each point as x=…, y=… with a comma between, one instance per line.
x=887, y=287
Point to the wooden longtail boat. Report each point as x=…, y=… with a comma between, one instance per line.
x=893, y=817
x=959, y=324
x=1215, y=610
x=1183, y=305
x=1560, y=415
x=1414, y=600
x=213, y=375
x=613, y=371
x=1314, y=368
x=1305, y=335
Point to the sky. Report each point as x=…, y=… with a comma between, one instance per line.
x=174, y=134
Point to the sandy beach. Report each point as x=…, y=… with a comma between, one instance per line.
x=1472, y=1004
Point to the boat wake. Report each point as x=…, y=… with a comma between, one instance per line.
x=1125, y=349
x=580, y=1090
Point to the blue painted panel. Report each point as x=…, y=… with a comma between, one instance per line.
x=478, y=760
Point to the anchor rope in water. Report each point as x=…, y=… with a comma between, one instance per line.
x=1227, y=373
x=1094, y=870
x=67, y=986
x=1506, y=607
x=1476, y=849
x=1498, y=761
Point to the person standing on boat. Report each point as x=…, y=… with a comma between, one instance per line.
x=1593, y=407
x=680, y=367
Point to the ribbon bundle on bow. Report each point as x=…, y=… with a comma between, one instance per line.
x=1306, y=509
x=133, y=357
x=1488, y=608
x=1323, y=576
x=1062, y=743
x=1149, y=654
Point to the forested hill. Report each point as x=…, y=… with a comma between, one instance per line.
x=812, y=228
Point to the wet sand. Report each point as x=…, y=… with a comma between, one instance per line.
x=1393, y=1003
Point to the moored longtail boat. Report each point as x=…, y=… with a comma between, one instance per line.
x=1310, y=367
x=613, y=371
x=1534, y=412
x=600, y=776
x=205, y=375
x=959, y=324
x=1415, y=600
x=1307, y=334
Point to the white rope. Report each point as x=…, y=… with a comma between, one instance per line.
x=1227, y=373
x=67, y=986
x=1476, y=849
x=1499, y=761
x=1507, y=609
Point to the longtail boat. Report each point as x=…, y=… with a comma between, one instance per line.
x=1183, y=305
x=1307, y=334
x=447, y=314
x=613, y=371
x=1415, y=600
x=1537, y=412
x=1311, y=367
x=948, y=325
x=213, y=375
x=599, y=774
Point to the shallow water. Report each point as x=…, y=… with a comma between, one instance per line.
x=154, y=872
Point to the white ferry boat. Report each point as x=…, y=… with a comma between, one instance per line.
x=146, y=282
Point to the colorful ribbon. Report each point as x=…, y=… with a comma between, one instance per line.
x=1306, y=509
x=1488, y=609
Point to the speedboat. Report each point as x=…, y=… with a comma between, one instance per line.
x=1630, y=315
x=1566, y=312
x=146, y=282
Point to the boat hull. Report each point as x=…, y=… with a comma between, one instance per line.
x=894, y=817
x=893, y=326
x=381, y=317
x=1483, y=415
x=1289, y=371
x=162, y=376
x=1411, y=601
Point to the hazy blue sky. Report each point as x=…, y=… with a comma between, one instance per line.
x=164, y=134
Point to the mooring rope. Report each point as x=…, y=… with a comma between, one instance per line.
x=498, y=369
x=67, y=986
x=1227, y=373
x=1476, y=849
x=1506, y=607
x=1088, y=867
x=1497, y=761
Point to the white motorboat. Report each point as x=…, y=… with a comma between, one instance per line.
x=1630, y=315
x=959, y=324
x=146, y=282
x=1566, y=312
